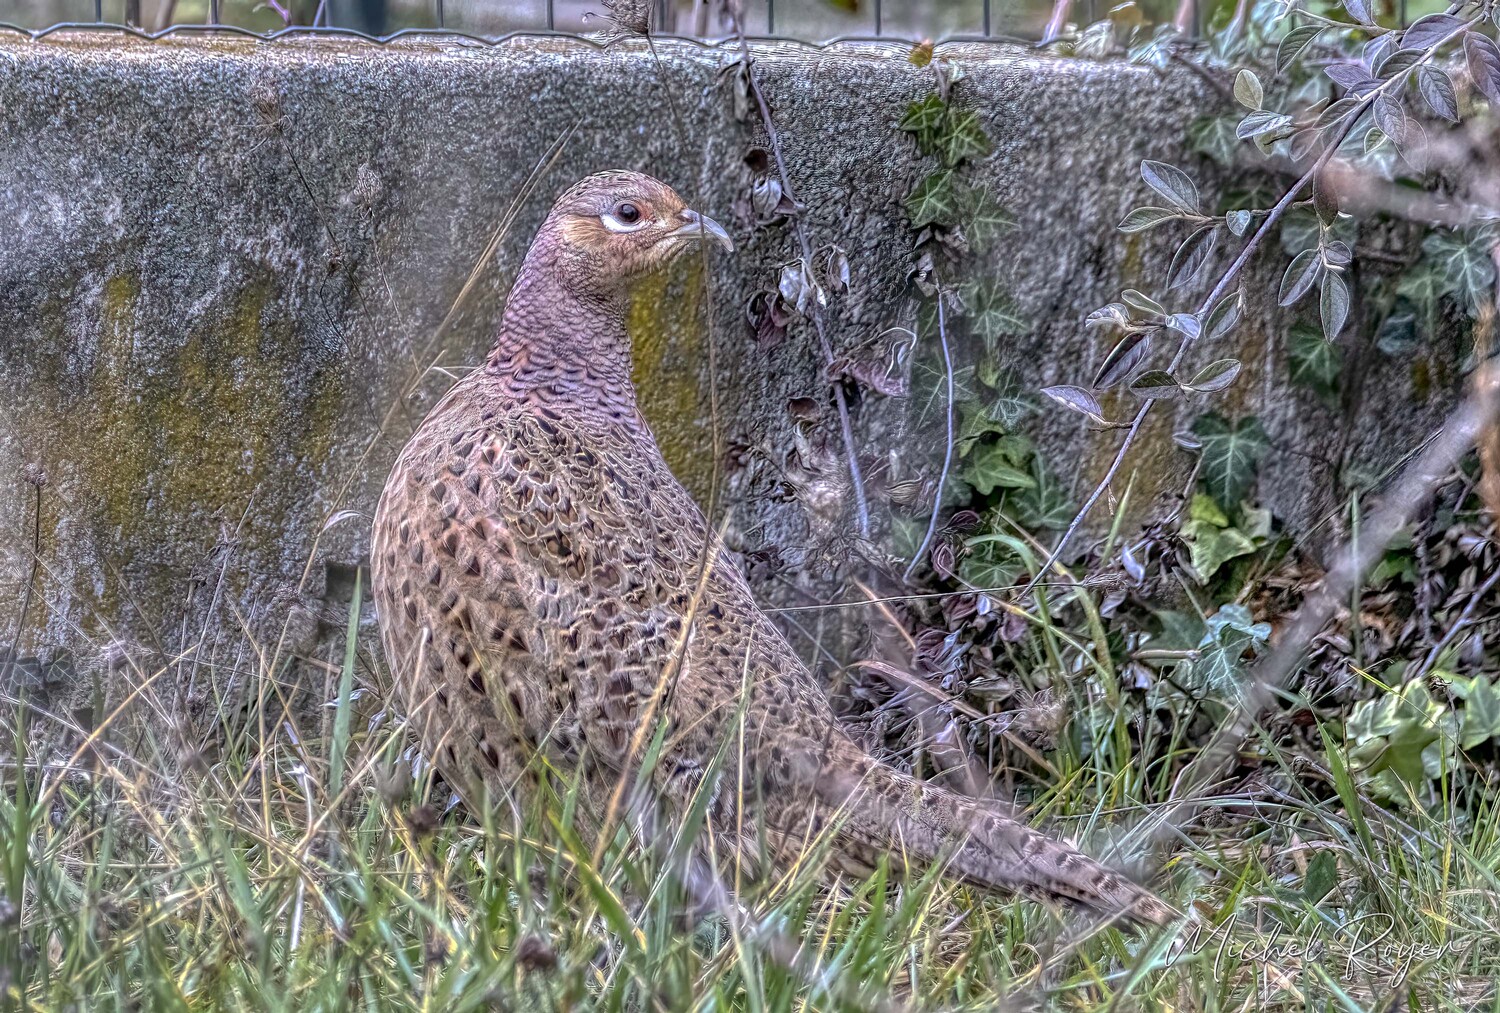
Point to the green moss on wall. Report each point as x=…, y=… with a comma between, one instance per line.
x=669, y=346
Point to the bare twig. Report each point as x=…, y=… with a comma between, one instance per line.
x=37, y=480
x=856, y=476
x=1464, y=620
x=937, y=496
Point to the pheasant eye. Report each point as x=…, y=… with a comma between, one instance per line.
x=626, y=217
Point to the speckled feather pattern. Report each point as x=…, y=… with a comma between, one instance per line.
x=545, y=586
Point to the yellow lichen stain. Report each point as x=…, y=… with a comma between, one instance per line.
x=1130, y=262
x=196, y=443
x=666, y=326
x=1421, y=378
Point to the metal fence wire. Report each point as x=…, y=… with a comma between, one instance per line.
x=815, y=21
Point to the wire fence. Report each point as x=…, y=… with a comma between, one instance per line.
x=813, y=21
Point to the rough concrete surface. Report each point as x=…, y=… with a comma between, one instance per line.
x=224, y=265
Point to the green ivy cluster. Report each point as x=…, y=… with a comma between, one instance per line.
x=996, y=471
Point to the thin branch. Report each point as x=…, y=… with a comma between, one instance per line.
x=36, y=479
x=937, y=496
x=856, y=477
x=1464, y=620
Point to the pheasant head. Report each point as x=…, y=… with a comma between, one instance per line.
x=563, y=335
x=611, y=228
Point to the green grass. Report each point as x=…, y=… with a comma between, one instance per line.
x=290, y=859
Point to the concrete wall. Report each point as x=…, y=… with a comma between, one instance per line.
x=224, y=264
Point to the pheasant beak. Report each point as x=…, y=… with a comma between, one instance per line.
x=701, y=228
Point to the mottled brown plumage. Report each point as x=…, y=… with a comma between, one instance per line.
x=544, y=602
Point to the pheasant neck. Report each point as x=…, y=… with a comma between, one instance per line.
x=562, y=348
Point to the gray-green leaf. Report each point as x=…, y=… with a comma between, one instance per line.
x=1138, y=300
x=1437, y=92
x=1122, y=359
x=1223, y=317
x=1484, y=64
x=1142, y=219
x=1172, y=183
x=1156, y=384
x=1262, y=121
x=1299, y=277
x=1247, y=89
x=1192, y=257
x=1333, y=304
x=1077, y=399
x=1215, y=376
x=1293, y=44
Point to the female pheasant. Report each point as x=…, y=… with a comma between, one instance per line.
x=550, y=597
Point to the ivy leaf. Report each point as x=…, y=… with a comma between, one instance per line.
x=1224, y=316
x=963, y=138
x=1483, y=57
x=1011, y=403
x=929, y=389
x=1247, y=90
x=1046, y=506
x=933, y=202
x=1333, y=304
x=1077, y=399
x=990, y=564
x=1142, y=219
x=1122, y=359
x=1210, y=547
x=1192, y=257
x=1465, y=268
x=1481, y=715
x=924, y=121
x=1399, y=334
x=1172, y=183
x=1299, y=277
x=984, y=218
x=1314, y=362
x=1293, y=44
x=990, y=469
x=1156, y=384
x=1214, y=377
x=1427, y=32
x=1437, y=92
x=992, y=316
x=1231, y=455
x=1214, y=136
